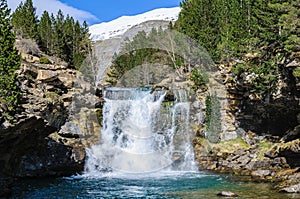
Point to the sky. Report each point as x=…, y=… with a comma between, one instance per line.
x=97, y=11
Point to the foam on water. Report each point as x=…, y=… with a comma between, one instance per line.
x=141, y=135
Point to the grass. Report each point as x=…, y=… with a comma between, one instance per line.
x=224, y=147
x=230, y=146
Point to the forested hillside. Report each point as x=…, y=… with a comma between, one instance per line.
x=267, y=30
x=59, y=35
x=256, y=45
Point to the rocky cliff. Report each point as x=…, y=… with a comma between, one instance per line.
x=266, y=146
x=39, y=141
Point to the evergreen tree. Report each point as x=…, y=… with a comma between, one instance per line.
x=68, y=32
x=64, y=37
x=58, y=24
x=198, y=19
x=45, y=32
x=288, y=23
x=81, y=43
x=24, y=20
x=9, y=60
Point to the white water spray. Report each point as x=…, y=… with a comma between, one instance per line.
x=142, y=133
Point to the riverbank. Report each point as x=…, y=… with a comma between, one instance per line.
x=256, y=158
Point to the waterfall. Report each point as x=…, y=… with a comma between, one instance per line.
x=142, y=133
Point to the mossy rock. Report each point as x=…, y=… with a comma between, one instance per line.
x=230, y=146
x=263, y=148
x=45, y=60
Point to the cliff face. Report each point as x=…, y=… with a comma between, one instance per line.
x=267, y=127
x=275, y=113
x=39, y=141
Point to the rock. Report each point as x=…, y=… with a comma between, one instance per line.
x=227, y=194
x=292, y=135
x=260, y=173
x=291, y=152
x=51, y=159
x=293, y=64
x=26, y=151
x=240, y=152
x=292, y=189
x=243, y=160
x=230, y=134
x=47, y=75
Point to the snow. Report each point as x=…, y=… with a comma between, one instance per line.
x=119, y=26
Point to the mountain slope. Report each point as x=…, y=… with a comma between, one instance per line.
x=119, y=26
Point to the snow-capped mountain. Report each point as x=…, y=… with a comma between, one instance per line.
x=119, y=26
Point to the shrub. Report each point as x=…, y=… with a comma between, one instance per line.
x=200, y=79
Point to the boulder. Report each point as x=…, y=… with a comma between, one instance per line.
x=292, y=189
x=260, y=173
x=227, y=194
x=47, y=75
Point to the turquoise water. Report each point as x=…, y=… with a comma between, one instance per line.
x=163, y=185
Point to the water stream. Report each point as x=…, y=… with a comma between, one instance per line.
x=142, y=133
x=145, y=151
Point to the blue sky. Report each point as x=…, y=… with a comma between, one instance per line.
x=96, y=11
x=110, y=9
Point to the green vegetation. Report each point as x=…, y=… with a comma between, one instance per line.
x=213, y=118
x=142, y=50
x=200, y=79
x=45, y=60
x=296, y=72
x=58, y=35
x=231, y=29
x=227, y=29
x=222, y=148
x=10, y=61
x=24, y=20
x=230, y=146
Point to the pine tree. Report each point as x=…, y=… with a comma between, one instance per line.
x=64, y=37
x=58, y=24
x=288, y=23
x=24, y=20
x=199, y=20
x=9, y=60
x=68, y=29
x=45, y=32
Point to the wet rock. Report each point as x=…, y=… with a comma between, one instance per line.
x=292, y=189
x=54, y=159
x=227, y=194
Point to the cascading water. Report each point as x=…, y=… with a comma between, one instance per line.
x=142, y=133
